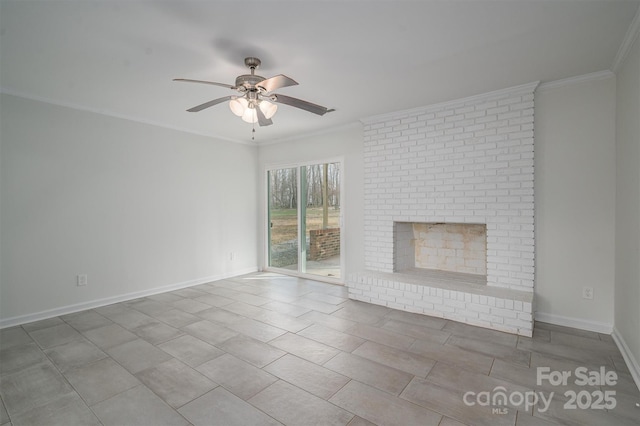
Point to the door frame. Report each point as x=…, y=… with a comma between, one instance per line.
x=266, y=225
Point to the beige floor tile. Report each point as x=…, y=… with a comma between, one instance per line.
x=16, y=358
x=587, y=343
x=283, y=321
x=559, y=413
x=370, y=373
x=568, y=330
x=86, y=320
x=42, y=324
x=446, y=421
x=359, y=421
x=293, y=406
x=286, y=308
x=459, y=357
x=56, y=335
x=14, y=336
x=524, y=419
x=188, y=292
x=506, y=353
x=220, y=407
x=131, y=318
x=190, y=306
x=175, y=382
x=461, y=381
x=416, y=331
x=360, y=315
x=209, y=332
x=239, y=377
x=328, y=336
x=251, y=299
x=214, y=300
x=384, y=337
x=4, y=416
x=156, y=332
x=451, y=404
x=308, y=376
x=74, y=354
x=148, y=306
x=220, y=316
x=137, y=406
x=251, y=350
x=32, y=387
x=304, y=348
x=327, y=298
x=67, y=410
x=137, y=355
x=165, y=297
x=382, y=408
x=626, y=409
x=316, y=305
x=256, y=329
x=109, y=336
x=100, y=380
x=563, y=352
x=340, y=324
x=478, y=333
x=395, y=358
x=191, y=350
x=176, y=318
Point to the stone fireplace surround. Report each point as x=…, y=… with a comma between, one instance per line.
x=465, y=161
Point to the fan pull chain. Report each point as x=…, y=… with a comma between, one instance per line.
x=253, y=132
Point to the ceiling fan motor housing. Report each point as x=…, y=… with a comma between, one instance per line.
x=248, y=82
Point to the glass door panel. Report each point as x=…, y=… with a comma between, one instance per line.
x=283, y=218
x=321, y=219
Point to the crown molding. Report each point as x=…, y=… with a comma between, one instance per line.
x=594, y=76
x=515, y=90
x=629, y=38
x=107, y=113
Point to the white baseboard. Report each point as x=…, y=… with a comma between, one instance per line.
x=579, y=323
x=629, y=359
x=69, y=309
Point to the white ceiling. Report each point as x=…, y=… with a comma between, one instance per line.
x=362, y=58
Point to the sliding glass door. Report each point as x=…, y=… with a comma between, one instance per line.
x=304, y=219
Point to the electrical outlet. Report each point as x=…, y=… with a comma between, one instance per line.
x=587, y=293
x=81, y=280
x=232, y=255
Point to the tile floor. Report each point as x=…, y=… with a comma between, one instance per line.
x=265, y=349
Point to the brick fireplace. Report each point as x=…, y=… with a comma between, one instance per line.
x=435, y=170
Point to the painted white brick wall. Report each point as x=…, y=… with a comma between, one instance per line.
x=467, y=161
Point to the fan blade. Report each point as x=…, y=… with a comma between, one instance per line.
x=299, y=103
x=262, y=120
x=274, y=83
x=186, y=80
x=210, y=104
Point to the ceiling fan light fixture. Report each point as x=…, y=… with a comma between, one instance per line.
x=268, y=109
x=250, y=115
x=238, y=106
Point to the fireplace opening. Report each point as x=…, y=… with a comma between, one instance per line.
x=452, y=247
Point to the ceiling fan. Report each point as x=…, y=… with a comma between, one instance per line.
x=256, y=102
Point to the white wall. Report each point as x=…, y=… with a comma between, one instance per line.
x=575, y=202
x=627, y=287
x=345, y=142
x=134, y=206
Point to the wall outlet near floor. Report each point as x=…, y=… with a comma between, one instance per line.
x=81, y=280
x=587, y=293
x=232, y=255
